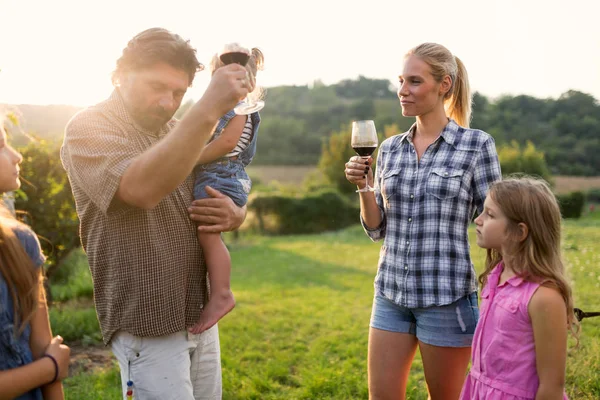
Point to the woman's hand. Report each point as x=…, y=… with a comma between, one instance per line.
x=61, y=354
x=358, y=169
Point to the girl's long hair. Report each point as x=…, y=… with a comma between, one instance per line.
x=537, y=258
x=23, y=279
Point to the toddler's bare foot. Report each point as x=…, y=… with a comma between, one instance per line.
x=219, y=305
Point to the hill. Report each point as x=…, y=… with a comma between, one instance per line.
x=298, y=119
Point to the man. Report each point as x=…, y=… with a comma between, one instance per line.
x=130, y=168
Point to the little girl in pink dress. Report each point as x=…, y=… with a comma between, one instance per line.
x=520, y=343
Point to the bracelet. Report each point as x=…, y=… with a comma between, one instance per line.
x=55, y=368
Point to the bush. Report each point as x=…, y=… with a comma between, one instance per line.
x=527, y=160
x=593, y=195
x=325, y=210
x=571, y=204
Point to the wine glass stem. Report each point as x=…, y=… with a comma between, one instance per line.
x=366, y=188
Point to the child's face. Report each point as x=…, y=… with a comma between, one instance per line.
x=491, y=226
x=9, y=165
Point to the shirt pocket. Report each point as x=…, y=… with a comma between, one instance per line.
x=390, y=182
x=444, y=183
x=507, y=311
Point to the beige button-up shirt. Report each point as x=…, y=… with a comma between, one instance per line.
x=147, y=266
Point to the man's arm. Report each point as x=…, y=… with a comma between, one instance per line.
x=157, y=172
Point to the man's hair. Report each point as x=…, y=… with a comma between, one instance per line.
x=156, y=45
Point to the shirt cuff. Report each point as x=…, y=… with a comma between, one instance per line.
x=378, y=232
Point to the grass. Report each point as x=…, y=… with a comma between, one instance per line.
x=299, y=330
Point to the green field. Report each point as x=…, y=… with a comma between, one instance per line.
x=299, y=330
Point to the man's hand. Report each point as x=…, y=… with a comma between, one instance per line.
x=228, y=85
x=217, y=214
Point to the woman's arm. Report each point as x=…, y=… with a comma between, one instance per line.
x=548, y=315
x=225, y=142
x=357, y=169
x=41, y=335
x=17, y=381
x=487, y=171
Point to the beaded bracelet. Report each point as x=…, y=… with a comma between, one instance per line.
x=55, y=368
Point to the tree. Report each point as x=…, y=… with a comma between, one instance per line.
x=334, y=155
x=514, y=160
x=46, y=201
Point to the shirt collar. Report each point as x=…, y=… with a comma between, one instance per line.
x=448, y=133
x=116, y=106
x=514, y=281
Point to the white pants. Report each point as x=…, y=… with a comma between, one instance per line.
x=181, y=366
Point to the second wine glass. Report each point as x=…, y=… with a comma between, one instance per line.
x=235, y=53
x=364, y=143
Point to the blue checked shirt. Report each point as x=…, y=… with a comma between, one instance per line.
x=426, y=207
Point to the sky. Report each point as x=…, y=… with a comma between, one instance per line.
x=63, y=51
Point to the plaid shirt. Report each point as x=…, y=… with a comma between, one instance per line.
x=426, y=208
x=147, y=266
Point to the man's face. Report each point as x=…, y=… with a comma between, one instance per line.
x=153, y=95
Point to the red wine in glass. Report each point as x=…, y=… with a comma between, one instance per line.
x=364, y=141
x=364, y=151
x=234, y=53
x=237, y=57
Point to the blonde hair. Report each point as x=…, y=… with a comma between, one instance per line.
x=24, y=280
x=537, y=258
x=255, y=63
x=442, y=62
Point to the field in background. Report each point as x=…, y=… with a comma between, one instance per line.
x=299, y=330
x=290, y=174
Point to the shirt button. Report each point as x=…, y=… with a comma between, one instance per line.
x=445, y=174
x=412, y=196
x=405, y=267
x=407, y=242
x=410, y=220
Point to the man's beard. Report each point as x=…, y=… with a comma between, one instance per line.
x=151, y=119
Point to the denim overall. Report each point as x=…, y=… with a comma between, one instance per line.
x=228, y=175
x=14, y=349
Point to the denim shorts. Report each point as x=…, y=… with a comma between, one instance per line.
x=227, y=176
x=451, y=325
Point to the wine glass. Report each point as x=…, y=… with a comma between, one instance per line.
x=235, y=53
x=364, y=143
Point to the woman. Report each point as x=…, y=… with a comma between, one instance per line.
x=428, y=181
x=32, y=363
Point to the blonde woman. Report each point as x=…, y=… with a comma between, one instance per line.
x=429, y=181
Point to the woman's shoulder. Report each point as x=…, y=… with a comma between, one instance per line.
x=392, y=142
x=470, y=137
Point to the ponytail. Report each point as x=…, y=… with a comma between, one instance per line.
x=459, y=103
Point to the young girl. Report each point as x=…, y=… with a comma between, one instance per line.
x=222, y=167
x=32, y=363
x=430, y=180
x=520, y=343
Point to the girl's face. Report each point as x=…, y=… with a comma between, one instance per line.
x=419, y=92
x=491, y=227
x=9, y=165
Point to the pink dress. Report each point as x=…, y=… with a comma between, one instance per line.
x=503, y=355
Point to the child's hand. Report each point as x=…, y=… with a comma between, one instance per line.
x=61, y=354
